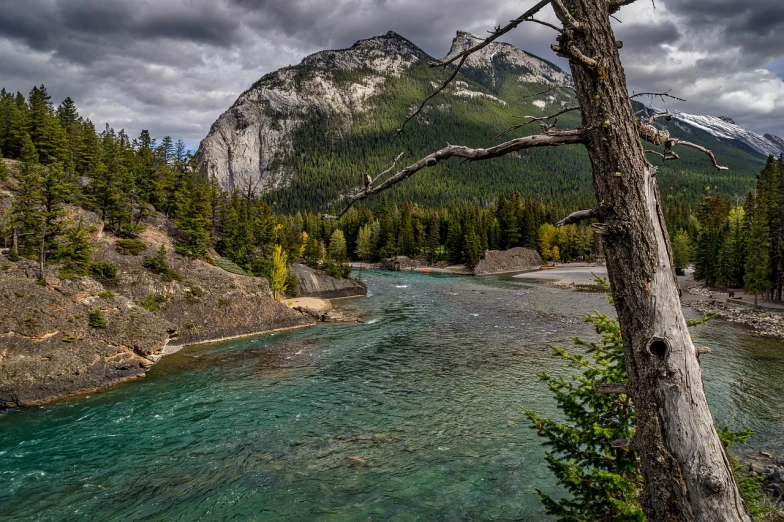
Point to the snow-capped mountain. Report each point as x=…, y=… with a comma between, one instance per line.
x=725, y=128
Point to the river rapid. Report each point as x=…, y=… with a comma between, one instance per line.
x=413, y=415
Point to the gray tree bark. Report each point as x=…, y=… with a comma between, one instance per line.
x=687, y=475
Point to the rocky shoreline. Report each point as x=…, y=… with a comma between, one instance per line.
x=764, y=322
x=64, y=335
x=771, y=468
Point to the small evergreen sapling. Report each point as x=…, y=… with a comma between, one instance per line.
x=602, y=480
x=96, y=319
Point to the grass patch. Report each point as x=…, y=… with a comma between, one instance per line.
x=106, y=294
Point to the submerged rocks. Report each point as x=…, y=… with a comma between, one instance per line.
x=512, y=260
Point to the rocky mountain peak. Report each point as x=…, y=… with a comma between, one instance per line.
x=378, y=52
x=779, y=142
x=498, y=55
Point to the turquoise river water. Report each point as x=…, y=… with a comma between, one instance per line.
x=413, y=415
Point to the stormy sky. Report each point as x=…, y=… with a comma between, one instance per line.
x=172, y=66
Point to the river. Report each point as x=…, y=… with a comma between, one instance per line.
x=413, y=415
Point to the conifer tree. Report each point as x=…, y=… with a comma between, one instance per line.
x=757, y=279
x=602, y=480
x=27, y=215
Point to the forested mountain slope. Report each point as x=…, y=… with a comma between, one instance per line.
x=305, y=134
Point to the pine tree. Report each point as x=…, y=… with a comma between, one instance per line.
x=757, y=262
x=681, y=250
x=602, y=480
x=76, y=251
x=27, y=214
x=365, y=246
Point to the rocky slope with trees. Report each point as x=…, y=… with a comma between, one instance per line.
x=64, y=334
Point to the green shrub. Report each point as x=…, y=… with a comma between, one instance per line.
x=106, y=294
x=13, y=256
x=153, y=302
x=130, y=247
x=229, y=266
x=104, y=269
x=96, y=319
x=158, y=265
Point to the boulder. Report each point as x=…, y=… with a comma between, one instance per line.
x=313, y=283
x=513, y=260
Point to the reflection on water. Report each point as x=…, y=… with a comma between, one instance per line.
x=413, y=415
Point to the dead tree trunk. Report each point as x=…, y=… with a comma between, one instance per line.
x=687, y=475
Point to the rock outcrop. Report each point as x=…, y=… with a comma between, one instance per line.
x=249, y=142
x=512, y=260
x=49, y=349
x=312, y=283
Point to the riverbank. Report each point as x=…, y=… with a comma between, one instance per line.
x=574, y=276
x=767, y=321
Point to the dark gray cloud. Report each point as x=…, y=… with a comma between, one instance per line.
x=171, y=66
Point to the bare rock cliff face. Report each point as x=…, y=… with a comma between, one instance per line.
x=246, y=146
x=527, y=67
x=315, y=284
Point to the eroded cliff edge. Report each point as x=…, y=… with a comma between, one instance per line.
x=49, y=349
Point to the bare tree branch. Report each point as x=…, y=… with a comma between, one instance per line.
x=576, y=217
x=546, y=24
x=655, y=136
x=565, y=14
x=662, y=115
x=430, y=97
x=669, y=156
x=675, y=142
x=616, y=5
x=369, y=182
x=661, y=95
x=550, y=139
x=550, y=88
x=496, y=34
x=536, y=118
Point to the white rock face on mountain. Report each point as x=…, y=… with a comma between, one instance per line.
x=245, y=147
x=725, y=128
x=529, y=68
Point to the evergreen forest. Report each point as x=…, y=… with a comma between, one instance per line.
x=62, y=160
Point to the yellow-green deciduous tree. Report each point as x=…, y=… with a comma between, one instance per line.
x=279, y=272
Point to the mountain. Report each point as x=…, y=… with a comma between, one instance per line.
x=724, y=128
x=305, y=134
